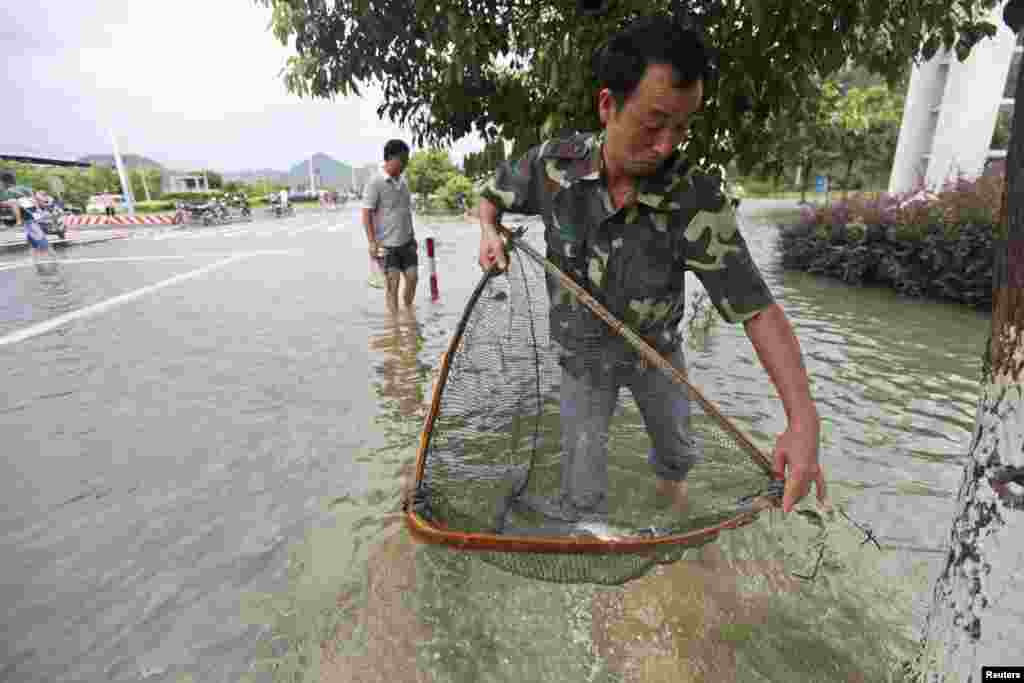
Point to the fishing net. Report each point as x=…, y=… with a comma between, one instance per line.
x=556, y=457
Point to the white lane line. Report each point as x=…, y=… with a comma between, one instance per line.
x=28, y=263
x=94, y=309
x=109, y=259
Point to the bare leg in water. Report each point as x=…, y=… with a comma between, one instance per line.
x=411, y=277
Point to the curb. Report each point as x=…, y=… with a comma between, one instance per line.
x=149, y=219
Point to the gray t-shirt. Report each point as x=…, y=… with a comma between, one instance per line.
x=391, y=199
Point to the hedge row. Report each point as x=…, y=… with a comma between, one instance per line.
x=919, y=243
x=940, y=263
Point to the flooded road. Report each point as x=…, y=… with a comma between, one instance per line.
x=205, y=432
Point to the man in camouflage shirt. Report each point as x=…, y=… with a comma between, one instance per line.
x=625, y=216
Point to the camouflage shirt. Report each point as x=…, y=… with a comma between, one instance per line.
x=631, y=259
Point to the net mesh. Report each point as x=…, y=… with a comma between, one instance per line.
x=557, y=444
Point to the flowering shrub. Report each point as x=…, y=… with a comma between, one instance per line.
x=919, y=243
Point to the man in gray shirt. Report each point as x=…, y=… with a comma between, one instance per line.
x=387, y=216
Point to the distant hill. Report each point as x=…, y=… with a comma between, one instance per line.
x=333, y=173
x=129, y=160
x=256, y=175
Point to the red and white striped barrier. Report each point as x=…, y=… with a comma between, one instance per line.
x=150, y=219
x=434, y=294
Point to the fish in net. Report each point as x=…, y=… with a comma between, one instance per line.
x=557, y=437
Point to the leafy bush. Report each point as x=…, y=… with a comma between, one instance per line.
x=191, y=197
x=155, y=205
x=456, y=185
x=938, y=246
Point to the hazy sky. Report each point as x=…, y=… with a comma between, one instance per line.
x=186, y=83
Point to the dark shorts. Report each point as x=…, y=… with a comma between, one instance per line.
x=38, y=244
x=400, y=259
x=36, y=237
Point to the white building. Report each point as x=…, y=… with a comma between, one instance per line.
x=951, y=111
x=182, y=182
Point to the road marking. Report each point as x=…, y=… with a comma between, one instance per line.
x=97, y=308
x=109, y=259
x=165, y=257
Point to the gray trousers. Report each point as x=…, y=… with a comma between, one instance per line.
x=587, y=405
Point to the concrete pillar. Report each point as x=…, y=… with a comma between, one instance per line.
x=950, y=113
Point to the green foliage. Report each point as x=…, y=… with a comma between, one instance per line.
x=865, y=127
x=850, y=137
x=79, y=183
x=191, y=197
x=1001, y=134
x=155, y=205
x=479, y=163
x=457, y=184
x=428, y=170
x=451, y=67
x=152, y=181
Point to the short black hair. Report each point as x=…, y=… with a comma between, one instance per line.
x=620, y=64
x=7, y=178
x=395, y=148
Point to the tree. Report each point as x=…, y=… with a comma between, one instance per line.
x=866, y=126
x=854, y=120
x=477, y=163
x=514, y=68
x=970, y=622
x=801, y=135
x=428, y=170
x=143, y=179
x=456, y=189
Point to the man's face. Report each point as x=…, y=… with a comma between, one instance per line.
x=652, y=122
x=396, y=164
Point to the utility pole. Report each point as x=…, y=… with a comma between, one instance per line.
x=126, y=188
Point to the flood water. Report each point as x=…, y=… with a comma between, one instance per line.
x=205, y=431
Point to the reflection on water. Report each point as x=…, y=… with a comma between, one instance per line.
x=898, y=412
x=400, y=376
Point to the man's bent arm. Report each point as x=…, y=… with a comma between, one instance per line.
x=779, y=351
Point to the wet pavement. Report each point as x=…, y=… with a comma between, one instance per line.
x=205, y=430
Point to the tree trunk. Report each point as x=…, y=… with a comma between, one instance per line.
x=808, y=167
x=975, y=618
x=849, y=178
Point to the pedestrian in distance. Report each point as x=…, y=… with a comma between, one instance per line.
x=387, y=217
